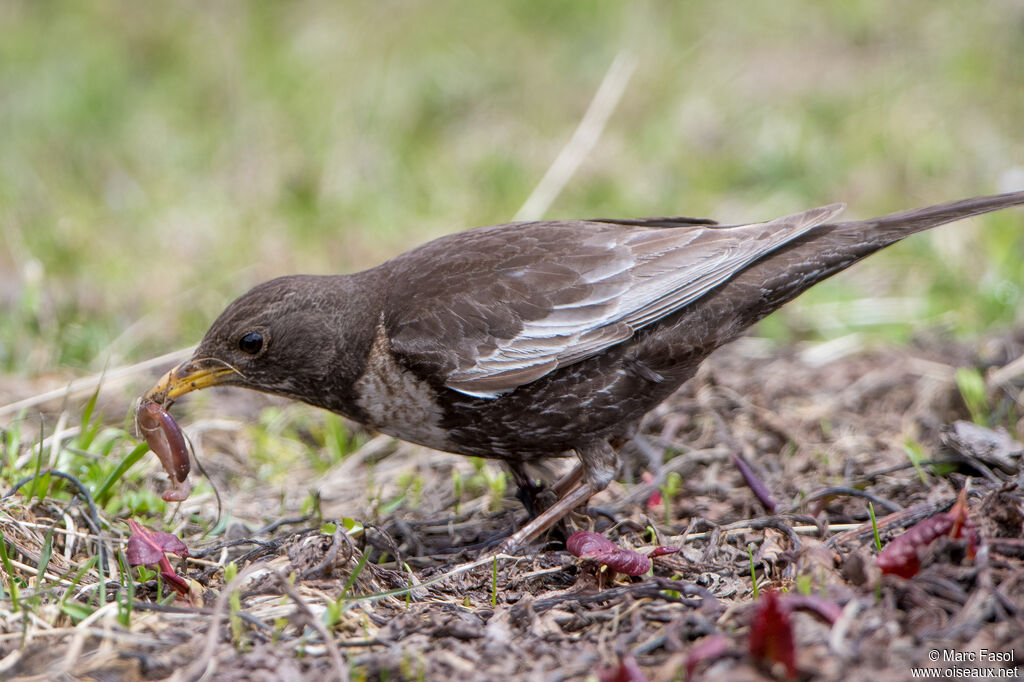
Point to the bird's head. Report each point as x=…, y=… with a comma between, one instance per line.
x=280, y=337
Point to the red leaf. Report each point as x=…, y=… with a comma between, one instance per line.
x=771, y=634
x=625, y=561
x=177, y=583
x=147, y=546
x=708, y=649
x=655, y=498
x=758, y=487
x=584, y=543
x=596, y=547
x=626, y=671
x=902, y=556
x=661, y=550
x=828, y=611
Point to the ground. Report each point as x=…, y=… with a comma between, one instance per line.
x=828, y=429
x=159, y=159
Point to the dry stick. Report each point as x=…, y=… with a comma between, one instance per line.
x=485, y=560
x=88, y=384
x=120, y=636
x=549, y=517
x=583, y=140
x=837, y=639
x=800, y=530
x=33, y=570
x=93, y=517
x=83, y=630
x=10, y=660
x=340, y=671
x=75, y=533
x=205, y=665
x=1006, y=373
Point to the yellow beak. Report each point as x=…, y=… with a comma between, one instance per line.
x=187, y=377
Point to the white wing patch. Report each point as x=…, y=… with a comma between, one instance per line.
x=650, y=274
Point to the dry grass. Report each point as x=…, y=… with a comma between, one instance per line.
x=826, y=437
x=335, y=552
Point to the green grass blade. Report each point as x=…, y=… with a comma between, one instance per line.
x=355, y=575
x=37, y=481
x=125, y=597
x=87, y=430
x=753, y=571
x=494, y=582
x=874, y=527
x=9, y=571
x=972, y=389
x=79, y=574
x=44, y=559
x=123, y=466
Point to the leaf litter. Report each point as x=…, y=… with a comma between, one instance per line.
x=383, y=586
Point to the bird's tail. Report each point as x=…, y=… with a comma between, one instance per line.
x=818, y=254
x=895, y=226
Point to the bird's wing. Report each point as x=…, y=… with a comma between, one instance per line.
x=492, y=309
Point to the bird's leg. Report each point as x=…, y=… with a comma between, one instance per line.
x=526, y=490
x=529, y=493
x=531, y=531
x=598, y=463
x=566, y=483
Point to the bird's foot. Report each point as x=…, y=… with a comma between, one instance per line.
x=532, y=530
x=597, y=466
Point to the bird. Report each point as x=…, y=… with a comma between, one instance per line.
x=532, y=340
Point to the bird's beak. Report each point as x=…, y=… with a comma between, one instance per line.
x=189, y=376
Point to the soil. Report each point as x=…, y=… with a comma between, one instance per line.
x=825, y=428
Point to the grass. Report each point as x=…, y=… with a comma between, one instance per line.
x=874, y=527
x=971, y=384
x=159, y=161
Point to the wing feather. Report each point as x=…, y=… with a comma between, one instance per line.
x=521, y=300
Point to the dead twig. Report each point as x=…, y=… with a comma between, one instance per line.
x=340, y=670
x=582, y=141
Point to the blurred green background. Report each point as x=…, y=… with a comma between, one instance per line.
x=157, y=159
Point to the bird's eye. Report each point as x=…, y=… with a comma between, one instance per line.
x=251, y=343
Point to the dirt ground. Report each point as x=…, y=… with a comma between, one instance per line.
x=827, y=428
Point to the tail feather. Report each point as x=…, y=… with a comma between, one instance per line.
x=784, y=274
x=896, y=226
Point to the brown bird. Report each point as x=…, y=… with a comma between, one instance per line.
x=526, y=341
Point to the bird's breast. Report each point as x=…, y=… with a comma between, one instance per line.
x=396, y=402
